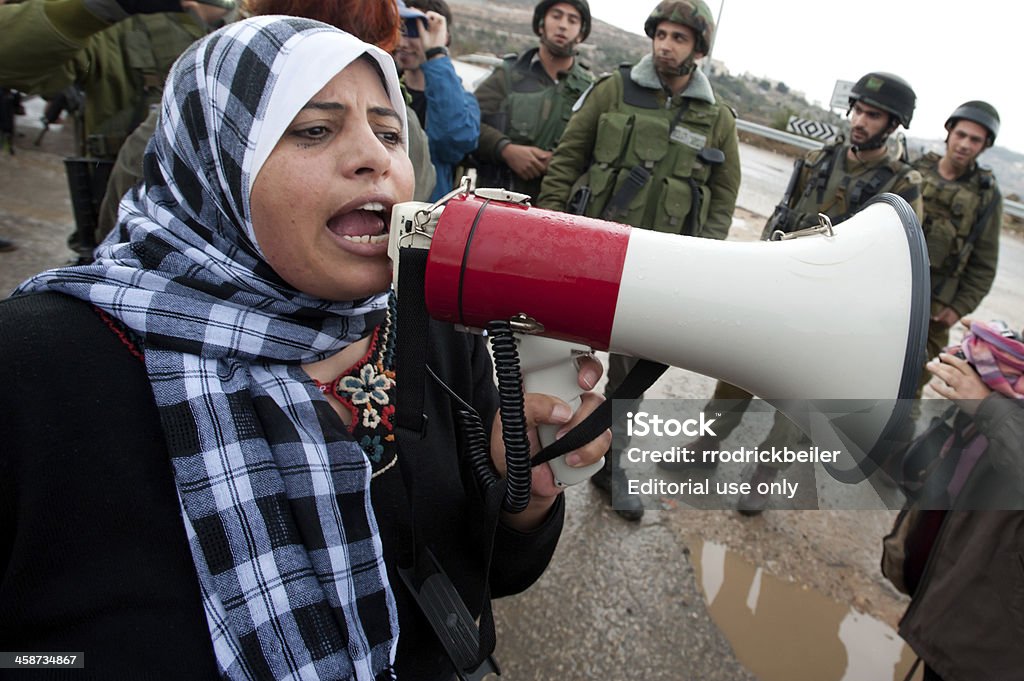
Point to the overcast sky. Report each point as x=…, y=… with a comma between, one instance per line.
x=948, y=51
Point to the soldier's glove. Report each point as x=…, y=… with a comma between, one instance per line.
x=113, y=11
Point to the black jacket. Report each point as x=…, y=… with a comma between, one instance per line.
x=93, y=553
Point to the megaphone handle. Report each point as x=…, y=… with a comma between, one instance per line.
x=550, y=367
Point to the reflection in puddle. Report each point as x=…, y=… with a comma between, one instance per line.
x=785, y=632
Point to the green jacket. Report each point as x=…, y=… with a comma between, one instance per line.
x=961, y=274
x=49, y=45
x=832, y=184
x=609, y=136
x=521, y=104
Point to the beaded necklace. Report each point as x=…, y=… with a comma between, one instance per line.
x=367, y=390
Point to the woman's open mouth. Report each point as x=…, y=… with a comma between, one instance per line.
x=367, y=224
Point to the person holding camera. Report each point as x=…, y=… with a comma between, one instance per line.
x=449, y=114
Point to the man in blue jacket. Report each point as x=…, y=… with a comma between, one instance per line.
x=449, y=115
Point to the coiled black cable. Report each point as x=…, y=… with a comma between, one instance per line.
x=513, y=420
x=513, y=417
x=477, y=439
x=478, y=447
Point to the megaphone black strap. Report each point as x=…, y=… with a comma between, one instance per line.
x=468, y=648
x=639, y=379
x=412, y=338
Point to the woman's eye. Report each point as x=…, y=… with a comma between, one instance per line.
x=314, y=132
x=390, y=138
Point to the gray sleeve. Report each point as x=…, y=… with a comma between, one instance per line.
x=419, y=152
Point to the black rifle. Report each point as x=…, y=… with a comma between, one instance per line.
x=10, y=103
x=783, y=217
x=578, y=203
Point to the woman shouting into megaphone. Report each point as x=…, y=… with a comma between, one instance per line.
x=201, y=473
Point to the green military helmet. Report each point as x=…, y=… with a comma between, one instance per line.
x=692, y=13
x=888, y=92
x=982, y=113
x=582, y=6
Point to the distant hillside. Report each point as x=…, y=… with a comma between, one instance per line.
x=498, y=28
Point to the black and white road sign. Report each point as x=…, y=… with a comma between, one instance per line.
x=813, y=129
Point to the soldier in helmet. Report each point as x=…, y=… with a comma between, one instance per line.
x=526, y=102
x=652, y=146
x=841, y=178
x=837, y=180
x=963, y=212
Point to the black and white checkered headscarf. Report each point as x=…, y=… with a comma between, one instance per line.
x=274, y=493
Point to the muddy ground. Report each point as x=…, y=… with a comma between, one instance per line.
x=620, y=600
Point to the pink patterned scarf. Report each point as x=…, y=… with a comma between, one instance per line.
x=997, y=357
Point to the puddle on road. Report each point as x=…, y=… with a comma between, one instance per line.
x=786, y=632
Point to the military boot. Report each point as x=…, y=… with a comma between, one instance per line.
x=611, y=476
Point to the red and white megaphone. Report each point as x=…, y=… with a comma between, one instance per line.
x=838, y=313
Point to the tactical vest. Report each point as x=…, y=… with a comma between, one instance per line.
x=150, y=47
x=951, y=210
x=665, y=141
x=537, y=112
x=828, y=189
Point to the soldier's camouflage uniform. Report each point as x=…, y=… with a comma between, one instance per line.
x=832, y=184
x=121, y=68
x=521, y=104
x=961, y=276
x=609, y=135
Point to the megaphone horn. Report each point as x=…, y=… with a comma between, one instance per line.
x=840, y=315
